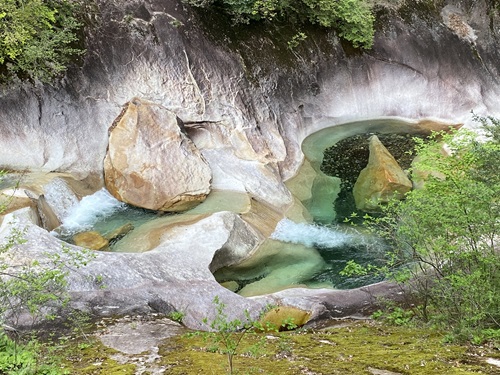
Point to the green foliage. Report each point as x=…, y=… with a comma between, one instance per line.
x=23, y=359
x=227, y=335
x=444, y=235
x=177, y=316
x=30, y=286
x=352, y=18
x=37, y=38
x=296, y=40
x=395, y=316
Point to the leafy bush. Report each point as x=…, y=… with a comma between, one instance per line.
x=37, y=38
x=445, y=236
x=30, y=286
x=352, y=18
x=23, y=359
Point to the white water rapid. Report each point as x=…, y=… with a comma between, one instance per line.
x=89, y=210
x=310, y=235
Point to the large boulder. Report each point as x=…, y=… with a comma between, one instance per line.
x=381, y=180
x=151, y=163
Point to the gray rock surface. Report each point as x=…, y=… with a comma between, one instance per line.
x=256, y=103
x=248, y=100
x=175, y=276
x=60, y=197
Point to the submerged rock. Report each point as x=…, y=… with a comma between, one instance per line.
x=119, y=232
x=151, y=163
x=233, y=286
x=91, y=240
x=381, y=180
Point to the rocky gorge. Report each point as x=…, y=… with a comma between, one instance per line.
x=239, y=104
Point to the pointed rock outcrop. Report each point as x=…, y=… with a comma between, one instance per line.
x=151, y=163
x=381, y=180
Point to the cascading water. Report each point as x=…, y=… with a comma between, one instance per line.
x=92, y=208
x=103, y=213
x=296, y=254
x=337, y=245
x=317, y=252
x=310, y=235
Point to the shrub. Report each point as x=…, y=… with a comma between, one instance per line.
x=445, y=236
x=37, y=38
x=352, y=18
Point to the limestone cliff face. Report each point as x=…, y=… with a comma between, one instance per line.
x=242, y=94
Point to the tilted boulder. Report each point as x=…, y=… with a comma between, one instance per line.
x=151, y=163
x=60, y=197
x=381, y=180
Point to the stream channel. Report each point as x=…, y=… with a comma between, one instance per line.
x=308, y=248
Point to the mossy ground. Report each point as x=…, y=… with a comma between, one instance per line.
x=350, y=348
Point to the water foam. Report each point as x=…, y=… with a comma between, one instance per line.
x=91, y=209
x=310, y=234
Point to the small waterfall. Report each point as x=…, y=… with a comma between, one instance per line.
x=91, y=209
x=310, y=235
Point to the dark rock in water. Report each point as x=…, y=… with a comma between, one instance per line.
x=119, y=233
x=349, y=156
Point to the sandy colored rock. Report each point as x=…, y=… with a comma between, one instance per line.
x=381, y=180
x=90, y=240
x=151, y=163
x=280, y=317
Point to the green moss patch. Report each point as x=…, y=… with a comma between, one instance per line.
x=356, y=348
x=351, y=347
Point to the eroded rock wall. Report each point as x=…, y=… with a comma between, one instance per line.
x=247, y=102
x=241, y=89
